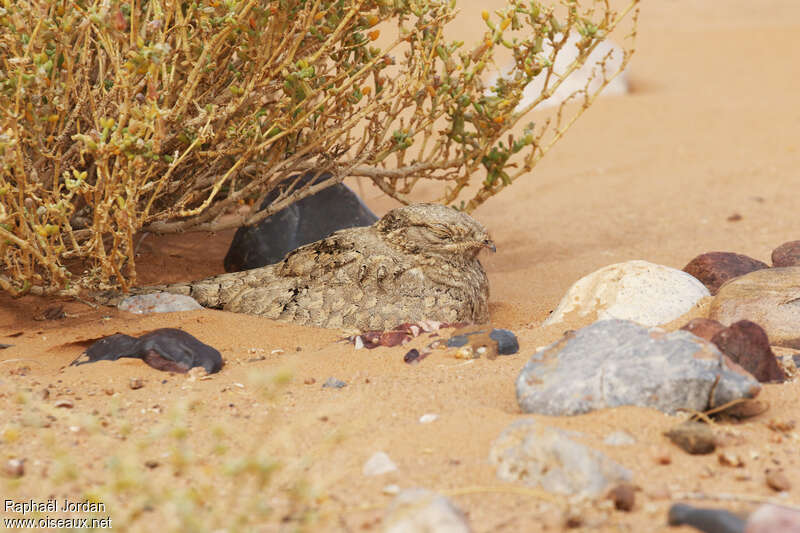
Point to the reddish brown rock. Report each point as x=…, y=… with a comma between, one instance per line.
x=705, y=328
x=787, y=254
x=715, y=268
x=747, y=344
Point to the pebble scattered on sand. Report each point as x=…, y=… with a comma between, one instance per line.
x=787, y=254
x=695, y=438
x=428, y=418
x=14, y=468
x=707, y=520
x=378, y=464
x=713, y=269
x=333, y=383
x=777, y=480
x=537, y=455
x=768, y=297
x=135, y=383
x=477, y=341
x=421, y=510
x=643, y=292
x=167, y=349
x=618, y=362
x=747, y=344
x=773, y=519
x=619, y=438
x=158, y=302
x=64, y=403
x=624, y=496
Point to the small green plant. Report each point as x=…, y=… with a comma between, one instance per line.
x=123, y=116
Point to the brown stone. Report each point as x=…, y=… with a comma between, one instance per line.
x=715, y=268
x=777, y=481
x=693, y=437
x=747, y=344
x=787, y=254
x=769, y=297
x=623, y=496
x=704, y=328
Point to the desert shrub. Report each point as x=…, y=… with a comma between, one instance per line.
x=148, y=115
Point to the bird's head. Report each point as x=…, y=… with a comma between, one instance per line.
x=433, y=229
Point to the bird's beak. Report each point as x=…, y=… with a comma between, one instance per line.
x=488, y=243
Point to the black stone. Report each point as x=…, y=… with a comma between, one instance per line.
x=457, y=341
x=167, y=349
x=507, y=343
x=305, y=221
x=411, y=356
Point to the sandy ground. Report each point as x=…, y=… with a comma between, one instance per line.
x=711, y=129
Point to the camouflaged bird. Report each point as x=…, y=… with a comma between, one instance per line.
x=417, y=262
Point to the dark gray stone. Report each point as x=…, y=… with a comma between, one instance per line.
x=507, y=343
x=305, y=221
x=618, y=362
x=167, y=349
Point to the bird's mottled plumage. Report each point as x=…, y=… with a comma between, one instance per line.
x=417, y=262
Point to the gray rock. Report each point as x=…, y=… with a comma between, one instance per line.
x=158, y=302
x=618, y=362
x=644, y=292
x=333, y=383
x=424, y=511
x=769, y=297
x=305, y=221
x=538, y=455
x=507, y=343
x=379, y=463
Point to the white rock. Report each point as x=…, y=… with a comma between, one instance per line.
x=158, y=302
x=378, y=464
x=636, y=290
x=537, y=455
x=424, y=511
x=577, y=80
x=427, y=418
x=619, y=438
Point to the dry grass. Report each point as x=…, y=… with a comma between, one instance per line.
x=123, y=116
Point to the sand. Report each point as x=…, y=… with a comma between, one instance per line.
x=710, y=130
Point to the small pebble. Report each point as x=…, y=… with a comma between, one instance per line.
x=507, y=343
x=708, y=520
x=787, y=254
x=379, y=463
x=159, y=302
x=730, y=459
x=309, y=381
x=14, y=468
x=623, y=496
x=466, y=352
x=136, y=383
x=411, y=356
x=109, y=392
x=619, y=438
x=777, y=481
x=391, y=490
x=66, y=403
x=333, y=383
x=693, y=437
x=152, y=464
x=44, y=394
x=428, y=418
